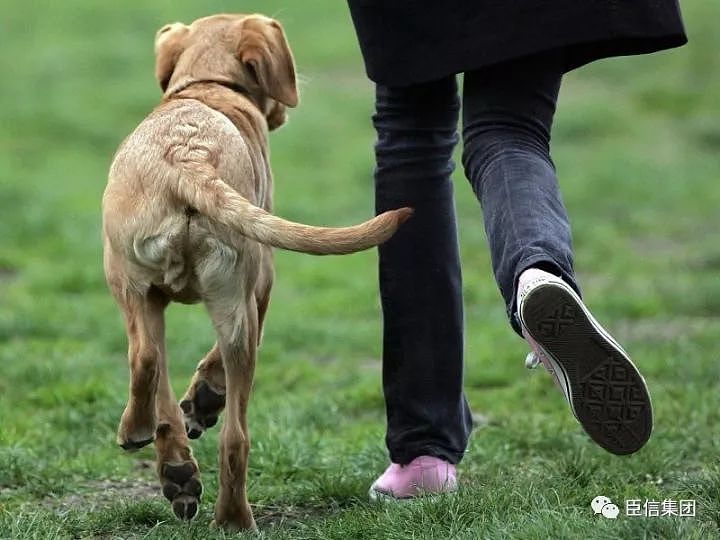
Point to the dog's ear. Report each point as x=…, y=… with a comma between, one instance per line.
x=264, y=52
x=169, y=44
x=276, y=116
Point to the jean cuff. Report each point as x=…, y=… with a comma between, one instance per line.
x=408, y=454
x=543, y=262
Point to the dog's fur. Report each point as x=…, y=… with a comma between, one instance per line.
x=187, y=218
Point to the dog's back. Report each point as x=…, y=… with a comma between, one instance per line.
x=160, y=236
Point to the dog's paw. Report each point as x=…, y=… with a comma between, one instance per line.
x=201, y=407
x=135, y=431
x=182, y=487
x=236, y=521
x=133, y=446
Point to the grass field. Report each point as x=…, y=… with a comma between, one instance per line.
x=637, y=146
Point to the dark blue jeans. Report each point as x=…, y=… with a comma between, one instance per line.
x=507, y=117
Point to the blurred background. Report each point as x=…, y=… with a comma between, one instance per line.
x=637, y=147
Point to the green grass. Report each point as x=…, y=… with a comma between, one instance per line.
x=636, y=143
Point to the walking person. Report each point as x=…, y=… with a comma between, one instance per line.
x=513, y=56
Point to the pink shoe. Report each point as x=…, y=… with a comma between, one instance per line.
x=606, y=392
x=424, y=475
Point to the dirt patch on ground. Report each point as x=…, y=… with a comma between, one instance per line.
x=268, y=516
x=105, y=493
x=98, y=494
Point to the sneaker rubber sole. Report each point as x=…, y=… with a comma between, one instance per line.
x=607, y=393
x=377, y=496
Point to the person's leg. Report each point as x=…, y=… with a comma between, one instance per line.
x=507, y=117
x=419, y=269
x=508, y=112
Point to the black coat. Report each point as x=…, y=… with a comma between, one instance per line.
x=411, y=41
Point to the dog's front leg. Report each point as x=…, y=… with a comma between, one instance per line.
x=176, y=467
x=204, y=399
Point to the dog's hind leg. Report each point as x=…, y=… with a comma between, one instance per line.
x=152, y=411
x=237, y=329
x=263, y=288
x=204, y=399
x=145, y=325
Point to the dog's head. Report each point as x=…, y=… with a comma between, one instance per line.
x=249, y=51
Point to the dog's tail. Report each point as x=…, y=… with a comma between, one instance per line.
x=212, y=197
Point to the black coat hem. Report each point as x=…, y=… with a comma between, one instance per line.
x=406, y=42
x=577, y=54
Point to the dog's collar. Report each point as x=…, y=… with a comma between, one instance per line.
x=237, y=88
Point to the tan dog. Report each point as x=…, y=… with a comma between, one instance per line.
x=186, y=218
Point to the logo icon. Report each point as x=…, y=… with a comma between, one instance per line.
x=603, y=505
